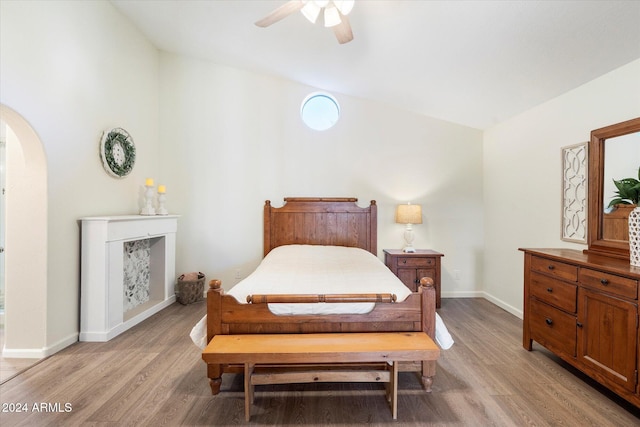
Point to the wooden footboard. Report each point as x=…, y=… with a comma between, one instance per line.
x=225, y=315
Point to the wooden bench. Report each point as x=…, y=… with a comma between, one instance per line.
x=299, y=357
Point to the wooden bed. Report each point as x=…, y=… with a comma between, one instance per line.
x=321, y=221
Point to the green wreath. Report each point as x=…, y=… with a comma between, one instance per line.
x=119, y=152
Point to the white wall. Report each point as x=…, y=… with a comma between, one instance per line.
x=232, y=139
x=71, y=70
x=522, y=174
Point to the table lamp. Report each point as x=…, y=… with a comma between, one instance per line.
x=409, y=214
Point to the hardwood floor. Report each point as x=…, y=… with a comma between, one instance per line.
x=153, y=375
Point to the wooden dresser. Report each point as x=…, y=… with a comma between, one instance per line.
x=411, y=267
x=584, y=308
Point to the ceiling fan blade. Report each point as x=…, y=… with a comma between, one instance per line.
x=280, y=13
x=343, y=30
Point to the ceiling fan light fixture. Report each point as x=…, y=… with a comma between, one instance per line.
x=344, y=6
x=331, y=17
x=311, y=11
x=335, y=15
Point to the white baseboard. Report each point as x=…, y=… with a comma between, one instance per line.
x=463, y=294
x=23, y=353
x=39, y=353
x=61, y=344
x=503, y=305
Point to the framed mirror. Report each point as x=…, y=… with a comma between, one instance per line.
x=614, y=153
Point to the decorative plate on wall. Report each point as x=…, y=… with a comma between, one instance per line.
x=118, y=152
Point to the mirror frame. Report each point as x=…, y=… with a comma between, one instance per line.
x=598, y=245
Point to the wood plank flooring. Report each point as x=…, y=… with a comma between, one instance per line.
x=152, y=375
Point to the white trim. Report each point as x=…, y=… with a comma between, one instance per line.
x=61, y=345
x=463, y=294
x=39, y=353
x=503, y=305
x=23, y=353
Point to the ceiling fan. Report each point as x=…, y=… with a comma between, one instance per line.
x=335, y=15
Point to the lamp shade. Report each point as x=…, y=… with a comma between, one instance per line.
x=409, y=214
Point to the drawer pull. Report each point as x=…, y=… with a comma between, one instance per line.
x=551, y=267
x=404, y=261
x=579, y=324
x=549, y=290
x=548, y=321
x=604, y=282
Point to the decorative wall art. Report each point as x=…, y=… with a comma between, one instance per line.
x=118, y=152
x=574, y=193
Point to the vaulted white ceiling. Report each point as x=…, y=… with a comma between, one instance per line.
x=475, y=63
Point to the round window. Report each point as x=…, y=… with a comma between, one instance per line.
x=320, y=111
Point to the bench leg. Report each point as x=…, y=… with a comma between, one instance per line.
x=428, y=372
x=394, y=390
x=248, y=390
x=214, y=372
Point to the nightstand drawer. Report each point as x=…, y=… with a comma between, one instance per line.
x=609, y=283
x=411, y=267
x=415, y=262
x=555, y=292
x=555, y=268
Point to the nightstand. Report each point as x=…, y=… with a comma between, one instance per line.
x=411, y=267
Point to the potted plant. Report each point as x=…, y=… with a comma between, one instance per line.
x=616, y=220
x=628, y=191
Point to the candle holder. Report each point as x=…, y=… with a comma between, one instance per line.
x=162, y=210
x=148, y=208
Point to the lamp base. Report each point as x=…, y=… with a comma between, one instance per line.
x=408, y=240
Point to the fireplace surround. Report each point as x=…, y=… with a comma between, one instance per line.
x=127, y=272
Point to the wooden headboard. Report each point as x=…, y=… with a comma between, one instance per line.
x=321, y=221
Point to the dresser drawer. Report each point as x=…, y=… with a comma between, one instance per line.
x=555, y=268
x=415, y=262
x=553, y=291
x=609, y=283
x=553, y=328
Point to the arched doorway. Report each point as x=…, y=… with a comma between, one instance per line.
x=25, y=239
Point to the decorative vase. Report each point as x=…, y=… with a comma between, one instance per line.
x=634, y=237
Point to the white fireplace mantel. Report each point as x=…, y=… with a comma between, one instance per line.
x=103, y=314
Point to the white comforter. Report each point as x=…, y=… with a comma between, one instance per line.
x=310, y=269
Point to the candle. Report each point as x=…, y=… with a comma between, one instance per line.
x=149, y=182
x=162, y=189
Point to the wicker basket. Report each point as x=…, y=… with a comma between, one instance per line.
x=190, y=291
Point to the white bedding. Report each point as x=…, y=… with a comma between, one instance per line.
x=311, y=269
